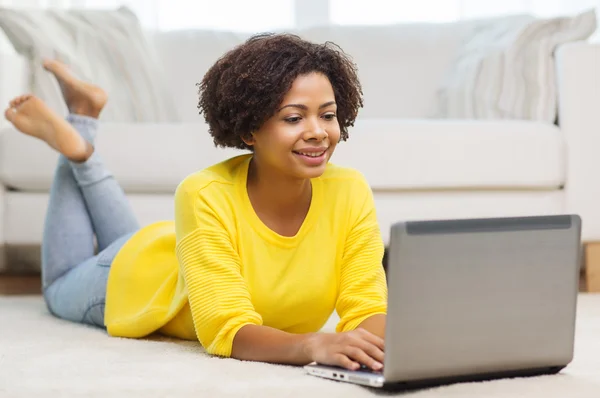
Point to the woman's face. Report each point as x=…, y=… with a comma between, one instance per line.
x=300, y=138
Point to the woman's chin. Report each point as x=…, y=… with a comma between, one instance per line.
x=312, y=172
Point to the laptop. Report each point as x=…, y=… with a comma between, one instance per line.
x=476, y=299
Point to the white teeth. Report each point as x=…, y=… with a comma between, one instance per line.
x=312, y=154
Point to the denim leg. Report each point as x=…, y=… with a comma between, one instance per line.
x=68, y=237
x=109, y=209
x=84, y=201
x=80, y=294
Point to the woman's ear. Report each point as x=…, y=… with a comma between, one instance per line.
x=248, y=139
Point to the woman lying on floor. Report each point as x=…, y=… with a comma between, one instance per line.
x=264, y=245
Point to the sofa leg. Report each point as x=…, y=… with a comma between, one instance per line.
x=591, y=269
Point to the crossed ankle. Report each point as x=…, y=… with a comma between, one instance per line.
x=84, y=156
x=84, y=110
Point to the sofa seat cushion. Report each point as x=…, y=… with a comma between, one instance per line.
x=456, y=154
x=393, y=154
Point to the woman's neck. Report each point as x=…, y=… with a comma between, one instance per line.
x=276, y=193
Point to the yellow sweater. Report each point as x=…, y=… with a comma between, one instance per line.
x=218, y=267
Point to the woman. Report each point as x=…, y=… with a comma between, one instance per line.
x=264, y=246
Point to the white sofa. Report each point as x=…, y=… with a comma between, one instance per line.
x=418, y=167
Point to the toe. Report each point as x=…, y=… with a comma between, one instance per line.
x=54, y=66
x=13, y=102
x=48, y=63
x=16, y=101
x=9, y=114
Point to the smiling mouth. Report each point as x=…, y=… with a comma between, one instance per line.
x=310, y=154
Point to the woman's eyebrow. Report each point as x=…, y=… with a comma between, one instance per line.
x=304, y=107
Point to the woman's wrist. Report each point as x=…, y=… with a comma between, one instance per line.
x=265, y=344
x=306, y=344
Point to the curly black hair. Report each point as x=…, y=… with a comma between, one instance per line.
x=244, y=88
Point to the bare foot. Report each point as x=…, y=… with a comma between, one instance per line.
x=82, y=98
x=32, y=116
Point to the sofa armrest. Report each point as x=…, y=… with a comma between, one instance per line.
x=578, y=74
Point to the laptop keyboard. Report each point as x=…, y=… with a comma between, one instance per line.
x=365, y=368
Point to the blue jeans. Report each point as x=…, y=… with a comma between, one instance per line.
x=86, y=202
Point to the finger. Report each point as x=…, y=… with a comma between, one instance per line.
x=371, y=350
x=360, y=356
x=345, y=362
x=372, y=338
x=368, y=342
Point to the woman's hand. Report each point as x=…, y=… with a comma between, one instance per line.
x=348, y=349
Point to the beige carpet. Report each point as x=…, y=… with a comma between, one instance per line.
x=41, y=356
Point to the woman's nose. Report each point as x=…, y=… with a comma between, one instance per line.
x=316, y=131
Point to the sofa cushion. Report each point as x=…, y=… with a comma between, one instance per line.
x=455, y=154
x=408, y=60
x=106, y=47
x=506, y=69
x=393, y=155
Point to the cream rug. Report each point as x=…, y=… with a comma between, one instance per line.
x=41, y=356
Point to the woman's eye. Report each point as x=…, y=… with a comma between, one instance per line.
x=329, y=116
x=294, y=119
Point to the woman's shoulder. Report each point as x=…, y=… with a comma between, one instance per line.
x=216, y=177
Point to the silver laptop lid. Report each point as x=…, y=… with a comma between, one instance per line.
x=479, y=296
